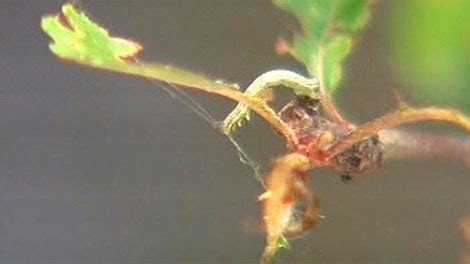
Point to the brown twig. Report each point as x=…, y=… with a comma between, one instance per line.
x=401, y=116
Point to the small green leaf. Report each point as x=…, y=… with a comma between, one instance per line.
x=76, y=38
x=79, y=39
x=328, y=30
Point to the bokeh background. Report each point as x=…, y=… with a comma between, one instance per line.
x=97, y=167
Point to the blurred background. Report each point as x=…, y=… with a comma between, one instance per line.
x=96, y=167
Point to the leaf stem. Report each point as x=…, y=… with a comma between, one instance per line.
x=334, y=113
x=188, y=79
x=326, y=99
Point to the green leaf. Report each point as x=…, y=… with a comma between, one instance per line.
x=79, y=39
x=328, y=30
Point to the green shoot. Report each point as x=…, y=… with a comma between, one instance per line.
x=328, y=30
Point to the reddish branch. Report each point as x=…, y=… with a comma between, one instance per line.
x=401, y=116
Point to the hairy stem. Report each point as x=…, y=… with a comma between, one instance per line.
x=326, y=100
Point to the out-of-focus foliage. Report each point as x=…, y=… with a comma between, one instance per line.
x=431, y=50
x=328, y=30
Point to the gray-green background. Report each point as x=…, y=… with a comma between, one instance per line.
x=101, y=168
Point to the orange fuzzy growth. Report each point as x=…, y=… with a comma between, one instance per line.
x=282, y=184
x=465, y=229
